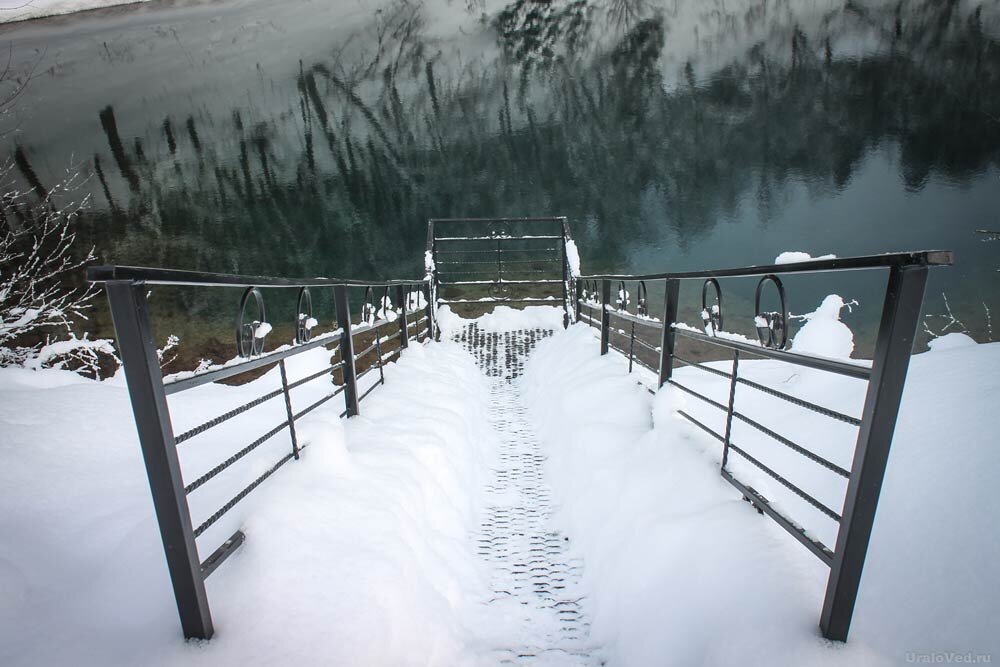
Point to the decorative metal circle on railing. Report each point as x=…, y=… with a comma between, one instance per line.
x=250, y=334
x=304, y=321
x=642, y=300
x=772, y=326
x=623, y=298
x=711, y=315
x=385, y=304
x=368, y=309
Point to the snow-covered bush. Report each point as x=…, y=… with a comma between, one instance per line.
x=38, y=299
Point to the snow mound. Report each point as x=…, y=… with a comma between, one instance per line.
x=573, y=258
x=951, y=341
x=792, y=257
x=503, y=318
x=823, y=333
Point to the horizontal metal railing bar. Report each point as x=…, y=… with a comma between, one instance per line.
x=487, y=283
x=502, y=251
x=370, y=390
x=492, y=300
x=702, y=426
x=504, y=262
x=362, y=328
x=819, y=409
x=183, y=384
x=648, y=346
x=584, y=316
x=490, y=276
x=373, y=367
x=414, y=323
x=313, y=406
x=158, y=276
x=241, y=495
x=819, y=363
x=899, y=259
x=818, y=549
x=697, y=395
x=235, y=457
x=418, y=309
x=785, y=483
x=547, y=237
x=653, y=324
x=326, y=371
x=219, y=556
x=559, y=218
x=799, y=449
x=226, y=416
x=816, y=458
x=367, y=350
x=707, y=369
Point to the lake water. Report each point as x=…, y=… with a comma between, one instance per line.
x=315, y=138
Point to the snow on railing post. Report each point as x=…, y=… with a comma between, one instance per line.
x=346, y=349
x=605, y=315
x=404, y=341
x=428, y=297
x=565, y=273
x=670, y=297
x=578, y=285
x=900, y=318
x=133, y=330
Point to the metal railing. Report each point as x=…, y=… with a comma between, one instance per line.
x=409, y=301
x=493, y=261
x=654, y=348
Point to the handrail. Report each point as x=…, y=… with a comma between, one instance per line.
x=557, y=218
x=885, y=377
x=157, y=276
x=148, y=391
x=888, y=260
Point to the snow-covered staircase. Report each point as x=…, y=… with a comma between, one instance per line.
x=535, y=579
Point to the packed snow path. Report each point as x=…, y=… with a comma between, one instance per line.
x=532, y=573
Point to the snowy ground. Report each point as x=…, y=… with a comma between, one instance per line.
x=363, y=552
x=20, y=10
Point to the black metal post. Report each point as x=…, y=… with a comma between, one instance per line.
x=156, y=438
x=605, y=315
x=578, y=286
x=730, y=408
x=288, y=409
x=430, y=311
x=631, y=347
x=670, y=298
x=346, y=349
x=404, y=340
x=900, y=317
x=565, y=283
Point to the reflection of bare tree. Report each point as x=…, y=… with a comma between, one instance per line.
x=389, y=130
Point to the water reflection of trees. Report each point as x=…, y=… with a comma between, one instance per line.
x=375, y=141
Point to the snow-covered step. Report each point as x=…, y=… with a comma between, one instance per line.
x=534, y=577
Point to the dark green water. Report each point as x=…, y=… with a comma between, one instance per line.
x=316, y=138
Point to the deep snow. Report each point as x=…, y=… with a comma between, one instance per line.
x=682, y=571
x=19, y=10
